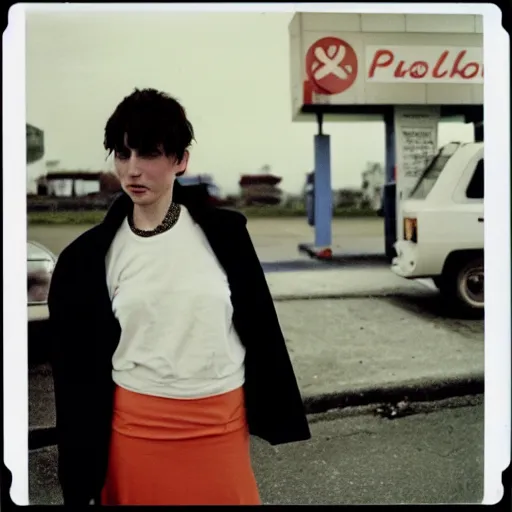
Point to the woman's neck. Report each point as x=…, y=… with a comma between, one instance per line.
x=147, y=217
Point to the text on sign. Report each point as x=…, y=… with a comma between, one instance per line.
x=425, y=64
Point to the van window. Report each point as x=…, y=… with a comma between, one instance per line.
x=475, y=188
x=430, y=175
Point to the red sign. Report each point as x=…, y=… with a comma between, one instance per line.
x=331, y=66
x=424, y=64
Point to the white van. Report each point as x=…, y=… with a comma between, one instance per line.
x=40, y=264
x=444, y=225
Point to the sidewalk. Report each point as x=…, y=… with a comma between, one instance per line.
x=340, y=282
x=364, y=349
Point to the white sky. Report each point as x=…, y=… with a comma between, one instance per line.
x=230, y=71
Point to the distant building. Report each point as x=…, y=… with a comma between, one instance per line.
x=77, y=183
x=199, y=179
x=260, y=189
x=372, y=183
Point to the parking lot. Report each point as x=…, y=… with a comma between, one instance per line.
x=275, y=239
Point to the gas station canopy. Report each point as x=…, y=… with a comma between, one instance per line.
x=408, y=70
x=361, y=63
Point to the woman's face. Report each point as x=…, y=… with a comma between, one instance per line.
x=147, y=177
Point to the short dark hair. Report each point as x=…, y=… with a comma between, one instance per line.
x=150, y=120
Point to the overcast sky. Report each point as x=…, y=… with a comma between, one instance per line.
x=231, y=72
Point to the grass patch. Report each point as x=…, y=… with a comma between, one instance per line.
x=280, y=211
x=95, y=216
x=66, y=217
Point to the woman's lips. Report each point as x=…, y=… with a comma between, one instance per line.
x=137, y=189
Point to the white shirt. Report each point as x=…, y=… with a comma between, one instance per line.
x=172, y=300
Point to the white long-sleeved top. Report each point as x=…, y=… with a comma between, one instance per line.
x=172, y=300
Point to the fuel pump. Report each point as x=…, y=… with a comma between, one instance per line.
x=310, y=197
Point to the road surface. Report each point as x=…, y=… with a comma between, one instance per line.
x=426, y=458
x=434, y=457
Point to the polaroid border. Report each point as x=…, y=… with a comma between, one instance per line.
x=497, y=226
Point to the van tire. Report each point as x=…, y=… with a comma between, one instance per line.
x=457, y=282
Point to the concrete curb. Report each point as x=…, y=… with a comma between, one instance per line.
x=421, y=390
x=338, y=256
x=316, y=265
x=382, y=294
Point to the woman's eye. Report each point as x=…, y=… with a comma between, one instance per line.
x=122, y=155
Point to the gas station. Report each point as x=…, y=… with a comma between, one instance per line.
x=409, y=71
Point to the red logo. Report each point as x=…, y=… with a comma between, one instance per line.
x=331, y=65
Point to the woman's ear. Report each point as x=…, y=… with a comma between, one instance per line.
x=182, y=166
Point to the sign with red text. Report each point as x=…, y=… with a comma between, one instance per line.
x=356, y=60
x=424, y=64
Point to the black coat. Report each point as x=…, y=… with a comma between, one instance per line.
x=85, y=333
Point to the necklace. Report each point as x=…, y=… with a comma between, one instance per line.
x=170, y=219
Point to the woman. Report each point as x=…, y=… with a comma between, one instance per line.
x=167, y=351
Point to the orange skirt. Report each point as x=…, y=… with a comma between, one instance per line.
x=179, y=452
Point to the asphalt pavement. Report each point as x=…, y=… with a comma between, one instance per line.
x=355, y=333
x=425, y=458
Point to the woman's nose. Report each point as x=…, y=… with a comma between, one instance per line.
x=133, y=166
